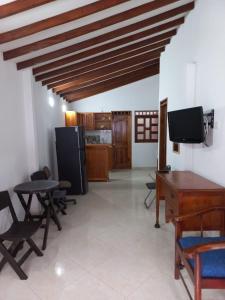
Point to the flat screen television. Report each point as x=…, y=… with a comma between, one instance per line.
x=186, y=125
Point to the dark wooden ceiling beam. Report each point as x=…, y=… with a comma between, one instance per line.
x=108, y=76
x=102, y=48
x=60, y=19
x=102, y=73
x=19, y=6
x=105, y=37
x=65, y=36
x=114, y=83
x=98, y=61
x=102, y=63
x=67, y=83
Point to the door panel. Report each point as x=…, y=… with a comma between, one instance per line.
x=121, y=126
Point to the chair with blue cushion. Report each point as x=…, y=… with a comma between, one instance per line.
x=203, y=257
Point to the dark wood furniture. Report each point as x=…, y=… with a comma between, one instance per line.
x=88, y=121
x=186, y=192
x=121, y=137
x=103, y=121
x=97, y=160
x=163, y=135
x=38, y=187
x=19, y=232
x=203, y=257
x=70, y=118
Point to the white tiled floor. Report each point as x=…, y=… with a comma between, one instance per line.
x=108, y=250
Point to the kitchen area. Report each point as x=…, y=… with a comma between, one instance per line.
x=101, y=141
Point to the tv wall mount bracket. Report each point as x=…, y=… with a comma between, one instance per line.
x=209, y=118
x=208, y=126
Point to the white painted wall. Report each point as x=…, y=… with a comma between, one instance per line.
x=141, y=95
x=13, y=151
x=200, y=41
x=48, y=114
x=27, y=124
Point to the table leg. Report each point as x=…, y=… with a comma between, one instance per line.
x=26, y=207
x=157, y=204
x=48, y=216
x=53, y=213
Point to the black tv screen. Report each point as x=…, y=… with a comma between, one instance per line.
x=186, y=125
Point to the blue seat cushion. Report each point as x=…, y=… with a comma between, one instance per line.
x=213, y=262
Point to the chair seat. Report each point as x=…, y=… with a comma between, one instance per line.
x=64, y=184
x=20, y=230
x=151, y=185
x=213, y=262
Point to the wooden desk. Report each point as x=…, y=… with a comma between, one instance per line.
x=186, y=192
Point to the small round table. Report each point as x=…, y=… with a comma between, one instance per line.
x=37, y=187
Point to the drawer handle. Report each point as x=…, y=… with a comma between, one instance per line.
x=172, y=195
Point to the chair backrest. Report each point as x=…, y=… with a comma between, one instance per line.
x=5, y=202
x=47, y=172
x=39, y=175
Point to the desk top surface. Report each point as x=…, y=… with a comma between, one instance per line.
x=187, y=181
x=36, y=186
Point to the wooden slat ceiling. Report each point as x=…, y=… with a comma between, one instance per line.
x=85, y=47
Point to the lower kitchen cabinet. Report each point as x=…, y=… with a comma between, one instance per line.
x=98, y=161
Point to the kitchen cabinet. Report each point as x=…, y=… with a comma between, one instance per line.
x=94, y=121
x=103, y=121
x=86, y=119
x=70, y=118
x=97, y=162
x=73, y=118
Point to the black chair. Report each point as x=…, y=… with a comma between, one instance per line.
x=59, y=197
x=151, y=187
x=18, y=233
x=64, y=185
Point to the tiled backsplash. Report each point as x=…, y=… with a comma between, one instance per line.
x=98, y=137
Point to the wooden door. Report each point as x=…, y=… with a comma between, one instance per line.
x=163, y=135
x=121, y=137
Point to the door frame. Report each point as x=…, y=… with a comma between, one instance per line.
x=163, y=135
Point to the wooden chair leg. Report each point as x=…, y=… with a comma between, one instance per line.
x=34, y=247
x=11, y=250
x=12, y=262
x=177, y=264
x=197, y=273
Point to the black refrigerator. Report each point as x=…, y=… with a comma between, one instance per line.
x=70, y=149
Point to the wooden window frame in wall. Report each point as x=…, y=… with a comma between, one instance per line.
x=146, y=114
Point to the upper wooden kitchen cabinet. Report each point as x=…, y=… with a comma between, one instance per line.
x=73, y=118
x=103, y=121
x=88, y=121
x=70, y=118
